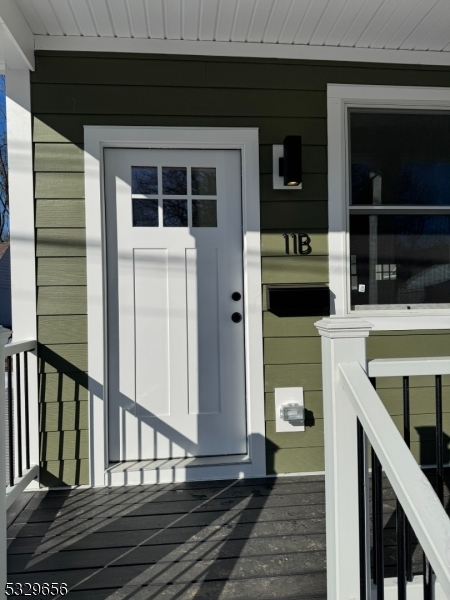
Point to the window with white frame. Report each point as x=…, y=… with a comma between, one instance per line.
x=399, y=209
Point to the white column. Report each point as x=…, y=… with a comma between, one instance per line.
x=23, y=259
x=343, y=340
x=4, y=335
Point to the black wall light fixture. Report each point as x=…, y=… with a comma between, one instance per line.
x=287, y=164
x=290, y=164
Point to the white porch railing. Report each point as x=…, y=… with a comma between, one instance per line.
x=17, y=467
x=351, y=407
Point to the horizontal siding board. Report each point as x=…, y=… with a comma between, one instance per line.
x=58, y=242
x=129, y=71
x=61, y=271
x=274, y=326
x=64, y=445
x=58, y=157
x=402, y=332
x=283, y=351
x=423, y=428
x=295, y=269
x=62, y=300
x=59, y=185
x=213, y=72
x=306, y=376
x=115, y=99
x=49, y=127
x=314, y=187
x=275, y=244
x=60, y=213
x=311, y=437
x=68, y=329
x=408, y=346
x=316, y=77
x=283, y=215
x=56, y=473
x=422, y=400
x=63, y=416
x=314, y=159
x=294, y=460
x=422, y=381
x=62, y=358
x=63, y=387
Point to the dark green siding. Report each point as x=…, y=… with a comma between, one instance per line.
x=279, y=97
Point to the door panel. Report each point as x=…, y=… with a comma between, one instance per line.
x=176, y=384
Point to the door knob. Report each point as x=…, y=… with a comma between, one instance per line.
x=236, y=296
x=236, y=317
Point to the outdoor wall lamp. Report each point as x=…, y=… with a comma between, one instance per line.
x=287, y=163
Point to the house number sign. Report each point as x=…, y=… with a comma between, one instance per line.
x=297, y=243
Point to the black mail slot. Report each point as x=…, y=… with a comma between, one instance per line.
x=298, y=300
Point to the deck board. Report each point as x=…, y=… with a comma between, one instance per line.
x=249, y=539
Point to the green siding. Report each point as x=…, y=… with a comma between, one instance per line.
x=60, y=242
x=278, y=97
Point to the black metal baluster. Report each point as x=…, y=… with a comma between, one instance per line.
x=439, y=441
x=407, y=438
x=27, y=415
x=401, y=555
x=361, y=512
x=427, y=579
x=10, y=422
x=19, y=417
x=427, y=569
x=378, y=526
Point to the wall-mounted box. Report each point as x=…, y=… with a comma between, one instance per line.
x=289, y=410
x=298, y=300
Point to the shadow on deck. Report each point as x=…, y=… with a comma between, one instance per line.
x=245, y=539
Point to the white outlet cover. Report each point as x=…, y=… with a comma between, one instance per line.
x=285, y=396
x=278, y=182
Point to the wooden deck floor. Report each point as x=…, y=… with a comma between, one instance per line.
x=246, y=539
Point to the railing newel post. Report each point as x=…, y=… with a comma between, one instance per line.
x=4, y=336
x=343, y=340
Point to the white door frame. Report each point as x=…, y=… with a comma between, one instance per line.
x=245, y=140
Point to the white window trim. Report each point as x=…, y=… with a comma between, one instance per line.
x=339, y=99
x=246, y=140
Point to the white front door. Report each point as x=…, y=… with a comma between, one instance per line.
x=176, y=384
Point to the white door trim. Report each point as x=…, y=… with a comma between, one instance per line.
x=339, y=99
x=245, y=140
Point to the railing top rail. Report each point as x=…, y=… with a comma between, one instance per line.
x=415, y=493
x=16, y=347
x=408, y=367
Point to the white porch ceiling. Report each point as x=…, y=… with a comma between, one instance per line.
x=403, y=31
x=391, y=24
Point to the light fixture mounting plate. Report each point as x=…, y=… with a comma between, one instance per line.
x=278, y=181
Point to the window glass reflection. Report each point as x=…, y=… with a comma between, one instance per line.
x=400, y=158
x=175, y=213
x=400, y=259
x=204, y=182
x=174, y=180
x=204, y=213
x=144, y=180
x=145, y=213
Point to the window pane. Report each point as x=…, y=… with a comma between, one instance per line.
x=144, y=180
x=204, y=182
x=175, y=213
x=400, y=259
x=204, y=213
x=400, y=158
x=145, y=213
x=174, y=180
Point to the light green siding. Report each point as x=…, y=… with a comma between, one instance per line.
x=72, y=90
